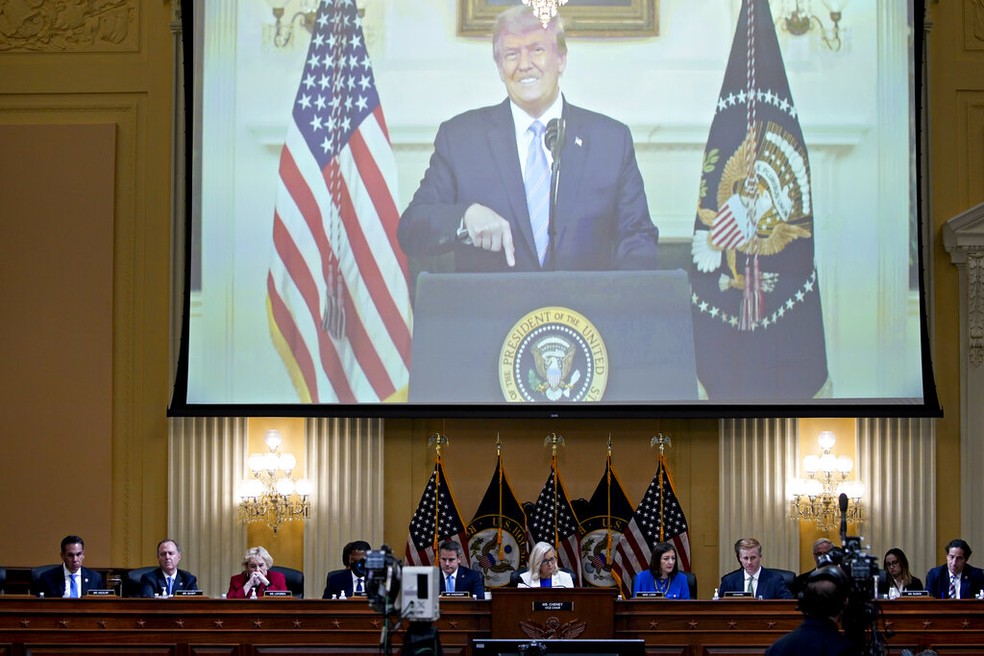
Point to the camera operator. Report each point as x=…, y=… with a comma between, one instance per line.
x=823, y=601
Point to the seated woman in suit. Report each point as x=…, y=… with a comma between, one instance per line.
x=256, y=576
x=543, y=571
x=663, y=575
x=897, y=578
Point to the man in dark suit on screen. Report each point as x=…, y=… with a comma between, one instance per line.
x=167, y=579
x=70, y=579
x=484, y=195
x=955, y=579
x=455, y=577
x=752, y=577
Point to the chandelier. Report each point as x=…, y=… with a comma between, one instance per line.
x=272, y=495
x=815, y=498
x=544, y=9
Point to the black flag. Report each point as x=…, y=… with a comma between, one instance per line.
x=758, y=325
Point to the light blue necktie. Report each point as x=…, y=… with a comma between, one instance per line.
x=73, y=590
x=537, y=183
x=170, y=586
x=450, y=585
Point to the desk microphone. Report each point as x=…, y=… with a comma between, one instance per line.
x=842, y=503
x=554, y=138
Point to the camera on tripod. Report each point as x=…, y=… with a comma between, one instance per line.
x=861, y=567
x=394, y=590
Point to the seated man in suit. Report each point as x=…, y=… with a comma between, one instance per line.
x=455, y=577
x=821, y=548
x=352, y=580
x=167, y=578
x=71, y=579
x=484, y=196
x=752, y=577
x=955, y=579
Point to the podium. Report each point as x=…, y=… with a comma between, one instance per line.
x=617, y=337
x=553, y=613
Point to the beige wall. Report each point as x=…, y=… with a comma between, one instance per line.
x=103, y=386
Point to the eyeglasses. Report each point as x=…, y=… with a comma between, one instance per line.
x=891, y=563
x=552, y=559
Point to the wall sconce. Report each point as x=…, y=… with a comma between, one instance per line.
x=800, y=20
x=815, y=499
x=301, y=12
x=272, y=495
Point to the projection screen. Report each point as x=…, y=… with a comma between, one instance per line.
x=780, y=171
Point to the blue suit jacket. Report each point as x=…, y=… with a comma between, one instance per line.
x=770, y=585
x=465, y=580
x=151, y=583
x=52, y=582
x=602, y=216
x=938, y=582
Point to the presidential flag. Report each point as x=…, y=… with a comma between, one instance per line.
x=758, y=324
x=437, y=519
x=659, y=518
x=338, y=297
x=551, y=519
x=606, y=515
x=497, y=533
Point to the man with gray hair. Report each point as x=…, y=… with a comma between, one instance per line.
x=484, y=196
x=167, y=579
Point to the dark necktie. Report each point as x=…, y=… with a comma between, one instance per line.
x=358, y=586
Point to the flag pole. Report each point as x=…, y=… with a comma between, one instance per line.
x=553, y=439
x=438, y=441
x=498, y=533
x=608, y=482
x=661, y=442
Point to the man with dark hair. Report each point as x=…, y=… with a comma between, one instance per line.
x=823, y=601
x=167, y=579
x=955, y=579
x=752, y=577
x=455, y=577
x=71, y=579
x=351, y=580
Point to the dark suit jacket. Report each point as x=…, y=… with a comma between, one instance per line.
x=814, y=637
x=971, y=582
x=466, y=580
x=602, y=217
x=769, y=585
x=52, y=582
x=338, y=581
x=237, y=583
x=151, y=583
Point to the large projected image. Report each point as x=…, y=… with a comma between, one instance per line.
x=389, y=214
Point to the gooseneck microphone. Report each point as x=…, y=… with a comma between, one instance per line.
x=553, y=138
x=842, y=502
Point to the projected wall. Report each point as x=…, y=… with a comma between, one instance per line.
x=780, y=178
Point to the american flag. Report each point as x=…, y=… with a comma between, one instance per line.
x=437, y=519
x=553, y=520
x=337, y=291
x=659, y=518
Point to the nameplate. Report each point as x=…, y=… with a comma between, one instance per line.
x=98, y=592
x=277, y=594
x=738, y=595
x=649, y=595
x=553, y=606
x=915, y=593
x=189, y=593
x=457, y=593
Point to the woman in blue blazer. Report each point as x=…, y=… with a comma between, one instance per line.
x=664, y=575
